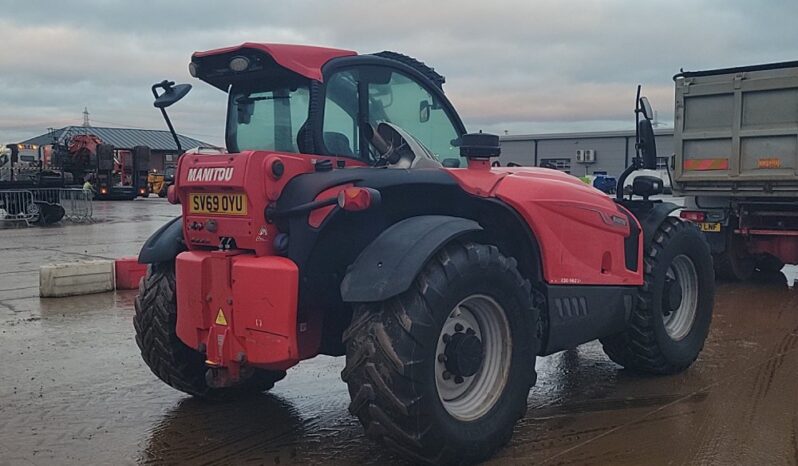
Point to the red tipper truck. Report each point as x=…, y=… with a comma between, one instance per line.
x=736, y=142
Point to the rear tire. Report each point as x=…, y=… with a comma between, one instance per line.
x=769, y=264
x=397, y=358
x=671, y=321
x=180, y=366
x=734, y=264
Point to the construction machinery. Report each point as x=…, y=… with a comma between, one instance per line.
x=355, y=216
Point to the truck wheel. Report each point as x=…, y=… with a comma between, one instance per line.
x=441, y=372
x=169, y=358
x=768, y=263
x=734, y=264
x=668, y=327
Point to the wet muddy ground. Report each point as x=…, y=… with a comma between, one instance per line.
x=73, y=389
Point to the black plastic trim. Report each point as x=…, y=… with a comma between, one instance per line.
x=579, y=314
x=165, y=244
x=388, y=266
x=737, y=69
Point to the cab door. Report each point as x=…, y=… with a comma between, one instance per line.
x=368, y=90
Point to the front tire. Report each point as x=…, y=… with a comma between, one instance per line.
x=671, y=321
x=180, y=366
x=441, y=372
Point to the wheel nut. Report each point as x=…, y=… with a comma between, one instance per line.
x=458, y=327
x=458, y=379
x=442, y=357
x=447, y=375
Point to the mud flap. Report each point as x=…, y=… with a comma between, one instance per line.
x=388, y=266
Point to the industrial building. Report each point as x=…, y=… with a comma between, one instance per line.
x=581, y=153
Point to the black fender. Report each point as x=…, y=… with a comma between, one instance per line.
x=651, y=218
x=165, y=244
x=390, y=263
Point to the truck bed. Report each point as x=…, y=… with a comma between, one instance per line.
x=736, y=131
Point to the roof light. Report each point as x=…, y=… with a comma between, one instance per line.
x=193, y=69
x=239, y=64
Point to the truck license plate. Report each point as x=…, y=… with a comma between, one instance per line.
x=217, y=203
x=711, y=227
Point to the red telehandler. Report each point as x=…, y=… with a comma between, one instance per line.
x=341, y=222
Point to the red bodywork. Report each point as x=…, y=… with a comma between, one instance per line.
x=580, y=230
x=243, y=301
x=301, y=59
x=254, y=290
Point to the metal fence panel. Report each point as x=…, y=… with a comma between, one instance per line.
x=18, y=206
x=77, y=204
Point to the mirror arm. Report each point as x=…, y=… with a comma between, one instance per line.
x=172, y=130
x=166, y=85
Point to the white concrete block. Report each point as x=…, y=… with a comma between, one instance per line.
x=76, y=278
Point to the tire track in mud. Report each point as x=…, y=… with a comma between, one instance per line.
x=704, y=453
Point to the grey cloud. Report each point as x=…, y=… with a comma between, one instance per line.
x=538, y=65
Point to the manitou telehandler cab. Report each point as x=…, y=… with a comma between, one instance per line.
x=353, y=215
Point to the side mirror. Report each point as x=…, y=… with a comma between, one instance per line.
x=648, y=145
x=171, y=93
x=245, y=108
x=451, y=163
x=424, y=111
x=645, y=108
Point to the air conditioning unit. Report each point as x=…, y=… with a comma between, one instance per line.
x=589, y=155
x=580, y=156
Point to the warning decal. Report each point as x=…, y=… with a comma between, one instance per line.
x=220, y=318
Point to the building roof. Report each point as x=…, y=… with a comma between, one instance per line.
x=583, y=135
x=121, y=138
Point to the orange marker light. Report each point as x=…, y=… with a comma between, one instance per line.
x=356, y=199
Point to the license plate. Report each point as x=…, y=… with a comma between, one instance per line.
x=711, y=227
x=217, y=203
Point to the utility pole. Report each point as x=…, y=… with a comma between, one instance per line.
x=86, y=117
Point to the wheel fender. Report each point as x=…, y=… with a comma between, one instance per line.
x=165, y=244
x=651, y=219
x=388, y=266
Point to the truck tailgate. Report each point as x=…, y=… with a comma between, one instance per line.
x=736, y=131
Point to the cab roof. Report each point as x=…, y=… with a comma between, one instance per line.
x=304, y=60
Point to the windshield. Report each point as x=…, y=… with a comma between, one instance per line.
x=266, y=119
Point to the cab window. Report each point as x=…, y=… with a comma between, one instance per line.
x=404, y=102
x=340, y=131
x=387, y=96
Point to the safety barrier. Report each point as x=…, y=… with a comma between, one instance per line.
x=18, y=206
x=77, y=204
x=29, y=205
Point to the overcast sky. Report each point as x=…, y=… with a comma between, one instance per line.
x=522, y=66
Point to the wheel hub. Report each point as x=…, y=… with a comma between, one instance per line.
x=673, y=296
x=473, y=357
x=463, y=354
x=680, y=297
